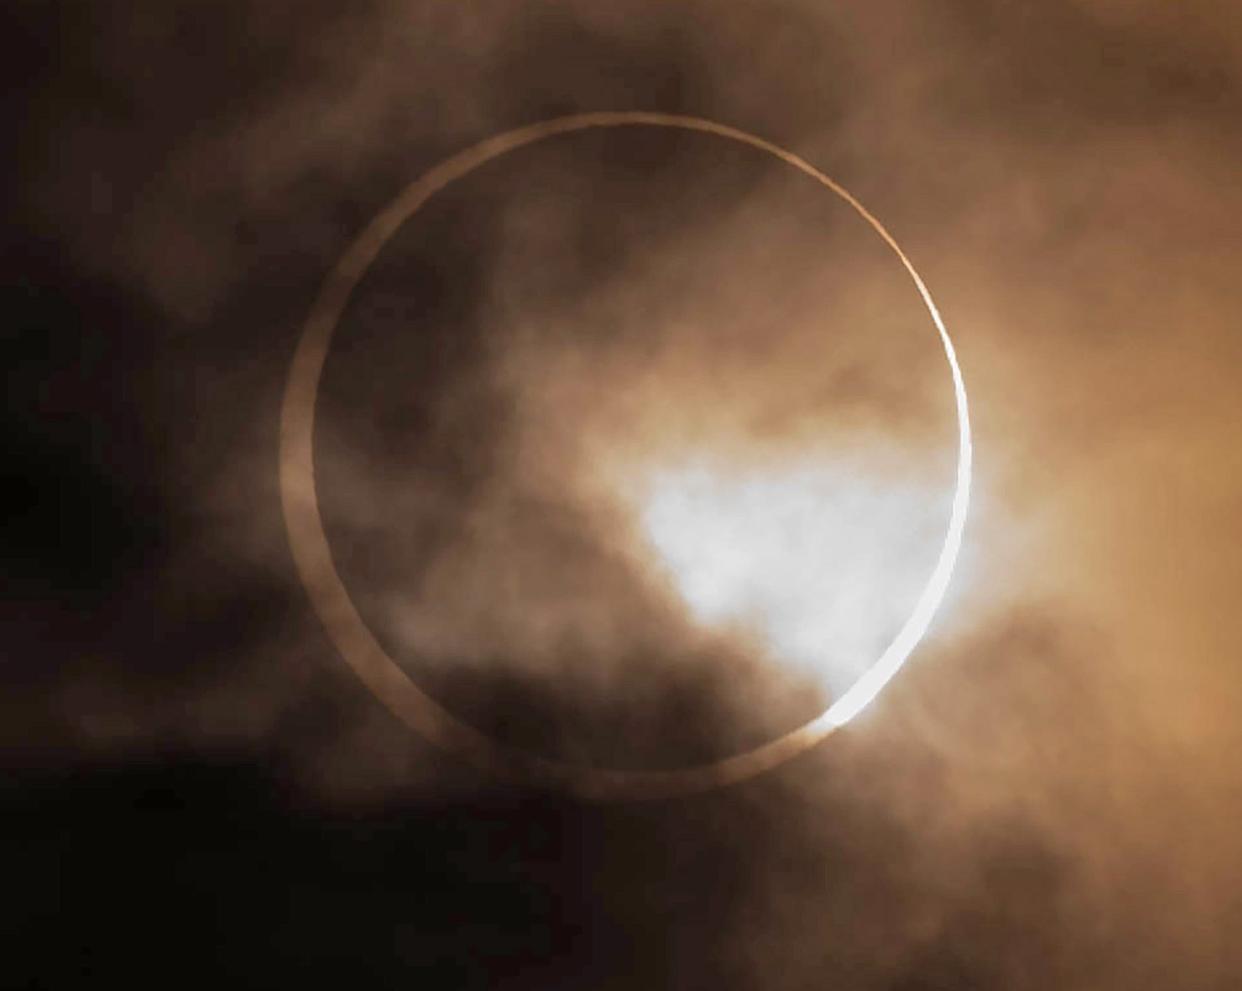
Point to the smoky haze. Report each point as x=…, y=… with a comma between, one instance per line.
x=545, y=376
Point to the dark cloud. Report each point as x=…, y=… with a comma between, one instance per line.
x=197, y=786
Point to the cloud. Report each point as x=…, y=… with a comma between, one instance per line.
x=1045, y=797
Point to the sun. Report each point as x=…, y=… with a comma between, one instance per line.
x=358, y=645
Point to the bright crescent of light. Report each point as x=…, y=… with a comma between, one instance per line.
x=383, y=676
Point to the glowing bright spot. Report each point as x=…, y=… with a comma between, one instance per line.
x=813, y=560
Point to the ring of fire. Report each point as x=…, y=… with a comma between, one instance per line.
x=359, y=647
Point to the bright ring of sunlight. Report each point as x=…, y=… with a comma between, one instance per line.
x=356, y=643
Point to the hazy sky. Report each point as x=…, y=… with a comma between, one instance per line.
x=630, y=446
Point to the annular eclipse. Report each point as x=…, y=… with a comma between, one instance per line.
x=381, y=673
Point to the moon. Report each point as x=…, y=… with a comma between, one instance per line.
x=355, y=641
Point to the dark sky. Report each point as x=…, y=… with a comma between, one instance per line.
x=197, y=790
